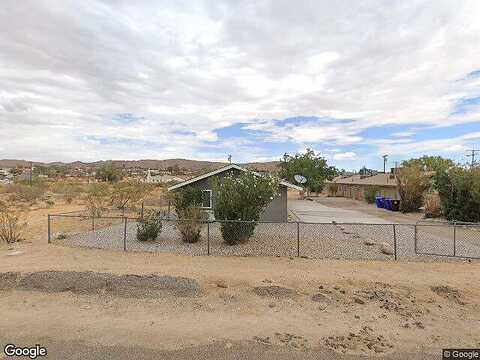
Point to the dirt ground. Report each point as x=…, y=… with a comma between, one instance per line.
x=252, y=307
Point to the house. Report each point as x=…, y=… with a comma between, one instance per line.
x=275, y=211
x=153, y=178
x=354, y=186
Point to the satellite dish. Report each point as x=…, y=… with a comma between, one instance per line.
x=300, y=179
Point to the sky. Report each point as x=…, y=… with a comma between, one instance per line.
x=353, y=80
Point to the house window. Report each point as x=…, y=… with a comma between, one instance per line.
x=206, y=199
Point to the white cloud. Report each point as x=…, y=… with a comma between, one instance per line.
x=187, y=69
x=349, y=155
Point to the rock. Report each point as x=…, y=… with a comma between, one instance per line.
x=15, y=253
x=273, y=291
x=228, y=345
x=322, y=307
x=271, y=305
x=221, y=284
x=369, y=242
x=320, y=298
x=358, y=300
x=386, y=249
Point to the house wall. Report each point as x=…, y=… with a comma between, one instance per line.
x=275, y=211
x=355, y=191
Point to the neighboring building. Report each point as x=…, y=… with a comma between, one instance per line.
x=354, y=186
x=6, y=176
x=161, y=178
x=275, y=211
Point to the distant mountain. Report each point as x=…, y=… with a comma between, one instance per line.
x=189, y=165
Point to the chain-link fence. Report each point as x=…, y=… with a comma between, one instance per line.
x=290, y=239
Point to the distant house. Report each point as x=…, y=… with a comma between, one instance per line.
x=161, y=178
x=354, y=186
x=275, y=211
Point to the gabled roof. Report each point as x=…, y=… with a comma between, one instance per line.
x=226, y=168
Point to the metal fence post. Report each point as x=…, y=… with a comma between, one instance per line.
x=415, y=237
x=394, y=242
x=454, y=238
x=125, y=234
x=93, y=222
x=143, y=205
x=208, y=238
x=49, y=232
x=298, y=239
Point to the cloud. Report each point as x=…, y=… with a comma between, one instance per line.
x=97, y=80
x=350, y=155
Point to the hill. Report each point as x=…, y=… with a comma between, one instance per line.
x=190, y=165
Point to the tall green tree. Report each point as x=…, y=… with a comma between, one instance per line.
x=108, y=173
x=309, y=164
x=430, y=163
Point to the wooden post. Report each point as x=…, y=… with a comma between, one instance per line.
x=49, y=230
x=298, y=239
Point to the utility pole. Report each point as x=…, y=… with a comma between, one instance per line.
x=31, y=173
x=472, y=154
x=385, y=157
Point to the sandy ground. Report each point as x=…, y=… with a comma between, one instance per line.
x=332, y=309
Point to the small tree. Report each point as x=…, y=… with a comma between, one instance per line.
x=97, y=199
x=126, y=194
x=187, y=202
x=242, y=198
x=459, y=191
x=108, y=173
x=412, y=183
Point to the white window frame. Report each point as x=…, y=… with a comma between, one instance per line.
x=209, y=207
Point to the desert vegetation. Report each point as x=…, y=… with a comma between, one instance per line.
x=149, y=226
x=412, y=183
x=187, y=202
x=239, y=201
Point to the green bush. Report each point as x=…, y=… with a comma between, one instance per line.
x=412, y=183
x=150, y=226
x=370, y=193
x=187, y=202
x=242, y=198
x=459, y=191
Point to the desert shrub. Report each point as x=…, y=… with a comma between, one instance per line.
x=191, y=226
x=459, y=191
x=187, y=202
x=150, y=226
x=50, y=203
x=432, y=205
x=129, y=194
x=108, y=173
x=370, y=193
x=242, y=198
x=24, y=192
x=332, y=189
x=11, y=225
x=97, y=199
x=412, y=183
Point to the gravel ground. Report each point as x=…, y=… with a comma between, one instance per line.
x=333, y=240
x=130, y=286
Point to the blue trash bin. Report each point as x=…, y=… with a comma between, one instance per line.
x=388, y=204
x=379, y=202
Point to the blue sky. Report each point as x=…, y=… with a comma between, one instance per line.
x=95, y=80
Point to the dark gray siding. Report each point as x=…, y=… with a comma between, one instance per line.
x=275, y=211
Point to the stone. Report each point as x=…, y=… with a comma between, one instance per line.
x=358, y=301
x=386, y=249
x=320, y=298
x=369, y=242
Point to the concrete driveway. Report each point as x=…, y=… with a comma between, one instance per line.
x=312, y=211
